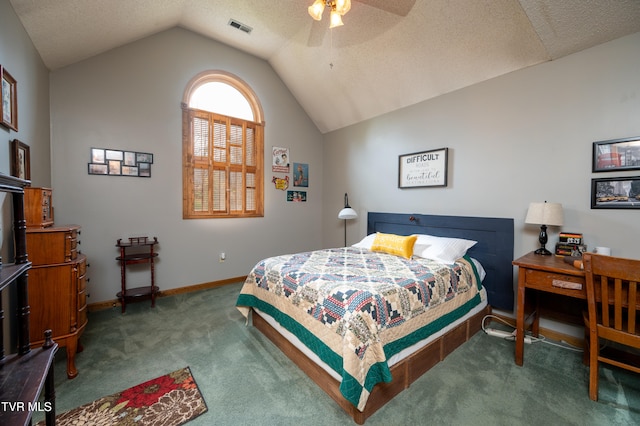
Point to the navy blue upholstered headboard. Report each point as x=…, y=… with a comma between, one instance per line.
x=494, y=249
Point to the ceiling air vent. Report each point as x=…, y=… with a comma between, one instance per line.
x=239, y=25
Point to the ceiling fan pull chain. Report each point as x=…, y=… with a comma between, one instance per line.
x=331, y=48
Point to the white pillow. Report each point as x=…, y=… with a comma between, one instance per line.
x=442, y=249
x=366, y=242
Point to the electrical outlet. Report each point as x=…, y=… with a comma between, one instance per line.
x=223, y=257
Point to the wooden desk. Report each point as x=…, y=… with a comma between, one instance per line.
x=548, y=274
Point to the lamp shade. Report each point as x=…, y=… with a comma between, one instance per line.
x=335, y=19
x=316, y=9
x=545, y=214
x=347, y=213
x=343, y=6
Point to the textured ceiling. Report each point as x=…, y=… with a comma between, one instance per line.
x=388, y=55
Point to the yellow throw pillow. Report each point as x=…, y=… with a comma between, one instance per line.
x=394, y=244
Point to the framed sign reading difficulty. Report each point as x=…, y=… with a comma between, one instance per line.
x=420, y=169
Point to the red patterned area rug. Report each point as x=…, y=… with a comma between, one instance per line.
x=170, y=400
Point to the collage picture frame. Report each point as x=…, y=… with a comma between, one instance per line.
x=114, y=162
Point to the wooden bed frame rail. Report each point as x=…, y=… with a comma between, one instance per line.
x=404, y=373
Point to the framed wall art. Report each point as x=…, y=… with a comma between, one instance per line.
x=20, y=160
x=280, y=159
x=617, y=154
x=114, y=162
x=301, y=174
x=297, y=196
x=9, y=98
x=615, y=193
x=422, y=169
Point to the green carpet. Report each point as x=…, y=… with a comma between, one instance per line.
x=245, y=380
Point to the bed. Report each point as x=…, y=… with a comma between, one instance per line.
x=363, y=335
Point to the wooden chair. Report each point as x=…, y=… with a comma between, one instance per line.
x=613, y=300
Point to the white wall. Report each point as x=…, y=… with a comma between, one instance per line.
x=526, y=136
x=129, y=99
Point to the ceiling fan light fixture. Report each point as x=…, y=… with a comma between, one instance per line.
x=338, y=9
x=342, y=6
x=336, y=20
x=316, y=9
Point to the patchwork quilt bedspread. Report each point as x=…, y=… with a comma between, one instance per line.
x=356, y=308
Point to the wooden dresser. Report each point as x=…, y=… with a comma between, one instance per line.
x=57, y=281
x=22, y=375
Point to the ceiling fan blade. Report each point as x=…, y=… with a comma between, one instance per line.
x=317, y=32
x=397, y=7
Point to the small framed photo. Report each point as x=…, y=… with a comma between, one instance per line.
x=144, y=157
x=115, y=167
x=301, y=174
x=617, y=154
x=421, y=169
x=20, y=160
x=112, y=154
x=144, y=169
x=615, y=193
x=9, y=100
x=129, y=158
x=98, y=169
x=97, y=155
x=129, y=171
x=297, y=196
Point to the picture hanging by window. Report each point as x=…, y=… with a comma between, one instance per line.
x=297, y=196
x=280, y=160
x=114, y=162
x=300, y=174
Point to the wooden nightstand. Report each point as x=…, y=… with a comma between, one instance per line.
x=550, y=274
x=141, y=251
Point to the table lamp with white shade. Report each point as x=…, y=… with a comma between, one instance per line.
x=544, y=214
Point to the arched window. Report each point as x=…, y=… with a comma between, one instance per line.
x=222, y=148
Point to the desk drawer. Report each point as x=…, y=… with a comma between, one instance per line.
x=556, y=283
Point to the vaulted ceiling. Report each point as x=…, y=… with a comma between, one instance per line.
x=389, y=54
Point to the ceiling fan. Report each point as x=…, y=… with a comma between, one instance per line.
x=338, y=8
